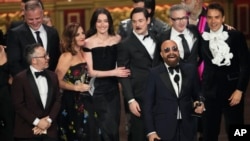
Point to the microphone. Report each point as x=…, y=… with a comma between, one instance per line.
x=177, y=79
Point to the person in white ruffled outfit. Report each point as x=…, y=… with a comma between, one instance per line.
x=218, y=47
x=225, y=76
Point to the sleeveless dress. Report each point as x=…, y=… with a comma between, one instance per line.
x=106, y=97
x=76, y=119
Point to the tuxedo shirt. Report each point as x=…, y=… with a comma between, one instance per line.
x=174, y=35
x=148, y=43
x=42, y=34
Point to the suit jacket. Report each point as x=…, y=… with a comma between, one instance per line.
x=6, y=108
x=226, y=79
x=161, y=102
x=194, y=56
x=28, y=105
x=133, y=55
x=21, y=36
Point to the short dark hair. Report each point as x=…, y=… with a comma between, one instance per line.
x=216, y=6
x=30, y=50
x=139, y=10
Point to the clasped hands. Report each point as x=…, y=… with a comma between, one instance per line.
x=42, y=126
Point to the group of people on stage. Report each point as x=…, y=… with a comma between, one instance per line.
x=67, y=88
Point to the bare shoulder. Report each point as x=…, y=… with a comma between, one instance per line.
x=116, y=38
x=66, y=56
x=90, y=42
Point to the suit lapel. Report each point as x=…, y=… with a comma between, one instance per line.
x=28, y=34
x=184, y=79
x=166, y=79
x=34, y=88
x=50, y=90
x=139, y=45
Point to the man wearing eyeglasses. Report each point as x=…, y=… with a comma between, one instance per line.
x=186, y=36
x=36, y=98
x=170, y=96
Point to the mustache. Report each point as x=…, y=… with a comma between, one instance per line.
x=137, y=28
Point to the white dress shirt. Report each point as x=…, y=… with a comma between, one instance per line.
x=188, y=36
x=148, y=43
x=176, y=87
x=43, y=35
x=42, y=86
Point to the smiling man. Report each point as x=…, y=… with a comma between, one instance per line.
x=226, y=73
x=171, y=92
x=37, y=101
x=186, y=36
x=31, y=31
x=139, y=52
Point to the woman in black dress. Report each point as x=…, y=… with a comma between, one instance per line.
x=76, y=115
x=100, y=54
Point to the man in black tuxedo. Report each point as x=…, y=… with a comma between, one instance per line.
x=36, y=98
x=139, y=52
x=226, y=73
x=179, y=21
x=27, y=33
x=171, y=93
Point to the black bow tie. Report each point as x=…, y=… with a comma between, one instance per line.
x=146, y=36
x=41, y=73
x=176, y=68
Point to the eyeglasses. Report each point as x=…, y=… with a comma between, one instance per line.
x=179, y=19
x=173, y=48
x=44, y=56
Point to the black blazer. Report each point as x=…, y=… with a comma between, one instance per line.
x=17, y=40
x=194, y=56
x=133, y=55
x=28, y=104
x=161, y=102
x=226, y=78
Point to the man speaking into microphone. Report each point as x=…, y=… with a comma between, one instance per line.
x=171, y=96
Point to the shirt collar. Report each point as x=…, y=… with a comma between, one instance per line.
x=41, y=29
x=140, y=37
x=175, y=33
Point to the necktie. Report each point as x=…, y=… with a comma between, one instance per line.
x=146, y=36
x=176, y=68
x=41, y=73
x=185, y=46
x=39, y=40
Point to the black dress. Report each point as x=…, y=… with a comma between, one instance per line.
x=76, y=119
x=106, y=97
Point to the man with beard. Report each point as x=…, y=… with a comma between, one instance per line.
x=139, y=52
x=171, y=94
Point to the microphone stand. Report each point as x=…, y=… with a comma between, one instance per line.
x=176, y=80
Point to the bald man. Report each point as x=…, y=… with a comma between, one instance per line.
x=170, y=96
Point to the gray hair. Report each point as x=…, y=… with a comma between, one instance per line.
x=176, y=7
x=32, y=5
